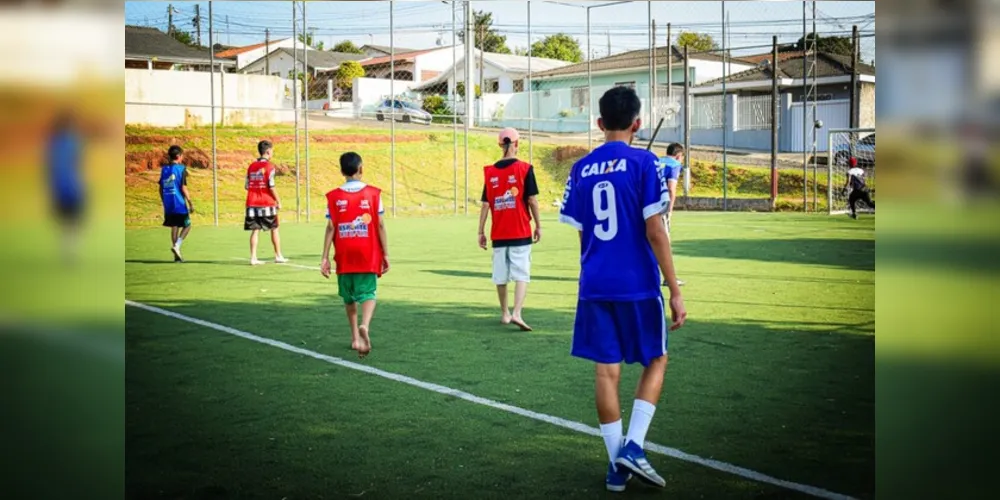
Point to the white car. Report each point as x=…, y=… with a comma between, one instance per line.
x=864, y=151
x=405, y=112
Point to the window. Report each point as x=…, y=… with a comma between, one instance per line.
x=518, y=85
x=868, y=141
x=492, y=86
x=630, y=85
x=578, y=97
x=276, y=73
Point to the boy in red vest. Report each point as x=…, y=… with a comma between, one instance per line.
x=357, y=233
x=509, y=192
x=262, y=203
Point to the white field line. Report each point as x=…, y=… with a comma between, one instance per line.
x=287, y=264
x=549, y=419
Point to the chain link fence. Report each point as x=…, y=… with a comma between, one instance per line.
x=746, y=86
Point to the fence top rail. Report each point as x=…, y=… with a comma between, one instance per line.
x=836, y=130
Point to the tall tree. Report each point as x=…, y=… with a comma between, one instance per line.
x=183, y=37
x=559, y=46
x=697, y=41
x=347, y=72
x=486, y=38
x=346, y=47
x=307, y=38
x=840, y=45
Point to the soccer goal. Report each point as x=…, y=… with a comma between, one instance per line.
x=844, y=144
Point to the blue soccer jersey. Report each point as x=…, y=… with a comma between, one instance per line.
x=609, y=195
x=171, y=178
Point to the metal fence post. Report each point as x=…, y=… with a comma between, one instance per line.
x=725, y=118
x=805, y=115
x=308, y=84
x=531, y=123
x=590, y=90
x=215, y=157
x=392, y=102
x=687, y=127
x=774, y=122
x=454, y=101
x=295, y=91
x=470, y=91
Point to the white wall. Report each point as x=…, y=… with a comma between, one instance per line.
x=182, y=98
x=281, y=63
x=368, y=93
x=242, y=60
x=489, y=72
x=710, y=70
x=438, y=60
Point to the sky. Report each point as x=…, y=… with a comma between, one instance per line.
x=426, y=24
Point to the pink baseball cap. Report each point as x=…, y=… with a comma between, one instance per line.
x=508, y=133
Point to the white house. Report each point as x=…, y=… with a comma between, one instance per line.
x=250, y=53
x=414, y=66
x=501, y=73
x=281, y=62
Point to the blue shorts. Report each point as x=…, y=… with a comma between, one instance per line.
x=612, y=332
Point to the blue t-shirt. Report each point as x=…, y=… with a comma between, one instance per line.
x=64, y=166
x=671, y=167
x=172, y=177
x=609, y=195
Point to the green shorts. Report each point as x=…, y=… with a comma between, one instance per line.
x=357, y=287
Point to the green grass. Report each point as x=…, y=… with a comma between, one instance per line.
x=774, y=371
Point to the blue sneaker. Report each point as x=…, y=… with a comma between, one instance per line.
x=617, y=478
x=633, y=458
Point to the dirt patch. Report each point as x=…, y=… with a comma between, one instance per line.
x=142, y=161
x=157, y=140
x=563, y=153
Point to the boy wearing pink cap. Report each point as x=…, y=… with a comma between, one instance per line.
x=510, y=195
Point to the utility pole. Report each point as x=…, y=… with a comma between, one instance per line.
x=267, y=51
x=853, y=119
x=670, y=66
x=170, y=19
x=482, y=53
x=197, y=21
x=229, y=36
x=608, y=33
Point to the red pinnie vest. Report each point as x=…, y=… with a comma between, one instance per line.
x=505, y=194
x=259, y=175
x=356, y=220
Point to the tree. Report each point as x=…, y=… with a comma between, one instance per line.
x=559, y=46
x=184, y=37
x=346, y=47
x=307, y=38
x=347, y=72
x=460, y=90
x=840, y=45
x=486, y=38
x=697, y=42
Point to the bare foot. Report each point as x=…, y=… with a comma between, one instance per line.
x=520, y=323
x=505, y=319
x=354, y=343
x=364, y=342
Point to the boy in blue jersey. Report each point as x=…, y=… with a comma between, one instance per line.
x=177, y=204
x=615, y=197
x=672, y=166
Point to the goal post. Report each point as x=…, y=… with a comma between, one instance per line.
x=844, y=144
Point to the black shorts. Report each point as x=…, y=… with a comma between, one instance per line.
x=261, y=219
x=69, y=211
x=176, y=220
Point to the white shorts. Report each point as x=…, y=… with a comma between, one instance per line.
x=511, y=264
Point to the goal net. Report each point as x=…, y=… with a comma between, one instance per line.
x=857, y=143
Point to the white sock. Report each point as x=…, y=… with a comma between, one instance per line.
x=638, y=425
x=612, y=434
x=179, y=241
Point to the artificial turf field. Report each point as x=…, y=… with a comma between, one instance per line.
x=774, y=371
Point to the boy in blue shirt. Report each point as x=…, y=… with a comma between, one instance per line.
x=672, y=166
x=177, y=204
x=615, y=197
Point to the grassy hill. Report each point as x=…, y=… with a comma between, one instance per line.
x=426, y=171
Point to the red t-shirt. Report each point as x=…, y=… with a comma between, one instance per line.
x=355, y=211
x=504, y=191
x=260, y=180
